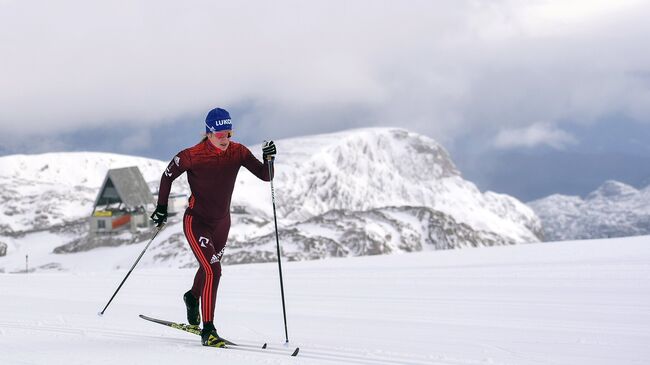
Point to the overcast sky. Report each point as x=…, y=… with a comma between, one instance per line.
x=139, y=76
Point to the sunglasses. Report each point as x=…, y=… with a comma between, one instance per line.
x=224, y=134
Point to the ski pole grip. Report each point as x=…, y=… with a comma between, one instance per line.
x=269, y=157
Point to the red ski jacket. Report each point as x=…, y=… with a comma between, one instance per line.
x=211, y=174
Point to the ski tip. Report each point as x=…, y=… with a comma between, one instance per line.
x=100, y=314
x=295, y=353
x=264, y=346
x=228, y=342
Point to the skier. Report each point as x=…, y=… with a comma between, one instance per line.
x=211, y=167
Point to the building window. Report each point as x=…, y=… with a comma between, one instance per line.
x=101, y=224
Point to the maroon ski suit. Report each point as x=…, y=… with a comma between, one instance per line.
x=211, y=174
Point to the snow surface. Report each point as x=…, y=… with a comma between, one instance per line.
x=581, y=302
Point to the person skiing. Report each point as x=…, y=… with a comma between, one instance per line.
x=212, y=166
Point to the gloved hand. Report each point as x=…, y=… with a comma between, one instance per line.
x=159, y=216
x=268, y=150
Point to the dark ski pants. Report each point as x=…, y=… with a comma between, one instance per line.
x=208, y=242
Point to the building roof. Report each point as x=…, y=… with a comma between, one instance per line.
x=127, y=186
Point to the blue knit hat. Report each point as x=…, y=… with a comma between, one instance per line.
x=217, y=120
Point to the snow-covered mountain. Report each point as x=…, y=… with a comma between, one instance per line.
x=378, y=167
x=358, y=192
x=614, y=209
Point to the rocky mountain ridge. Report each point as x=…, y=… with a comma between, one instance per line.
x=357, y=192
x=614, y=209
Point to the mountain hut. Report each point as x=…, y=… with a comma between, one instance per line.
x=122, y=202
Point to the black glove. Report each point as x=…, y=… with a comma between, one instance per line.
x=268, y=150
x=159, y=216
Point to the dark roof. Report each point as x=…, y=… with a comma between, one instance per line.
x=125, y=185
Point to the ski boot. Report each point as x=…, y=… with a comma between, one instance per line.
x=192, y=305
x=209, y=336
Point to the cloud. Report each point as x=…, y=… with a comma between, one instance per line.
x=139, y=140
x=538, y=134
x=293, y=67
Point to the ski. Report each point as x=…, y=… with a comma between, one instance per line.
x=195, y=330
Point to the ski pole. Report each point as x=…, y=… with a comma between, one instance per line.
x=159, y=228
x=277, y=241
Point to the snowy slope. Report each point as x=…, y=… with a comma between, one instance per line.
x=613, y=210
x=40, y=191
x=564, y=303
x=381, y=184
x=337, y=233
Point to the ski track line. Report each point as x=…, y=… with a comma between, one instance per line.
x=441, y=360
x=348, y=359
x=45, y=328
x=323, y=354
x=333, y=355
x=323, y=349
x=341, y=354
x=13, y=362
x=184, y=343
x=88, y=332
x=115, y=334
x=125, y=334
x=348, y=355
x=516, y=354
